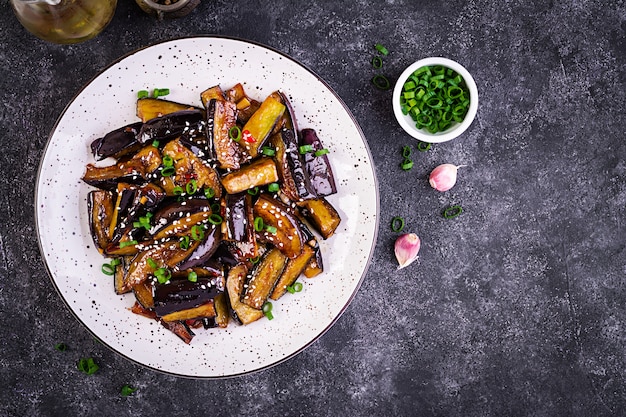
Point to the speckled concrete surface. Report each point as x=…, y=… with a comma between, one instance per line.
x=515, y=308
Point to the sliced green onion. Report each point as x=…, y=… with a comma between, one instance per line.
x=397, y=224
x=215, y=219
x=192, y=276
x=191, y=187
x=115, y=262
x=88, y=366
x=321, y=152
x=423, y=146
x=435, y=97
x=407, y=164
x=178, y=190
x=255, y=260
x=162, y=275
x=128, y=243
x=234, y=133
x=273, y=187
x=267, y=151
x=108, y=269
x=168, y=161
x=197, y=232
x=271, y=229
x=296, y=287
x=258, y=224
x=406, y=151
x=61, y=347
x=267, y=310
x=253, y=191
x=381, y=82
x=155, y=143
x=452, y=211
x=380, y=48
x=215, y=207
x=168, y=171
x=160, y=92
x=127, y=390
x=184, y=242
x=143, y=94
x=305, y=149
x=152, y=263
x=377, y=62
x=209, y=192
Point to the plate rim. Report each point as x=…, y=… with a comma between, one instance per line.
x=207, y=37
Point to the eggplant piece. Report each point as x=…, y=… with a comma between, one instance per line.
x=131, y=203
x=236, y=93
x=246, y=107
x=149, y=108
x=134, y=171
x=260, y=172
x=295, y=182
x=243, y=313
x=261, y=124
x=187, y=167
x=166, y=255
x=144, y=294
x=205, y=310
x=101, y=208
x=121, y=269
x=315, y=265
x=292, y=271
x=142, y=311
x=176, y=210
x=209, y=269
x=107, y=178
x=317, y=167
x=239, y=224
x=182, y=294
x=322, y=216
x=180, y=329
x=117, y=143
x=221, y=310
x=181, y=227
x=211, y=93
x=228, y=255
x=204, y=251
x=221, y=117
x=288, y=234
x=263, y=278
x=172, y=125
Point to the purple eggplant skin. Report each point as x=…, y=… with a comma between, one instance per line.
x=172, y=125
x=182, y=294
x=134, y=203
x=117, y=143
x=239, y=217
x=317, y=167
x=296, y=165
x=176, y=210
x=180, y=329
x=203, y=253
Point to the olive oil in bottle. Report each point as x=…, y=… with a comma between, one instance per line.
x=64, y=21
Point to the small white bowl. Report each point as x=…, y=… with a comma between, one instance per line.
x=453, y=131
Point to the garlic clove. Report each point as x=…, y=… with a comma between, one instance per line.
x=443, y=177
x=406, y=248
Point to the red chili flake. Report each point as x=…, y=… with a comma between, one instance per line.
x=247, y=136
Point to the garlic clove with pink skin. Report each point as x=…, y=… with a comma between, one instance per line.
x=443, y=177
x=406, y=248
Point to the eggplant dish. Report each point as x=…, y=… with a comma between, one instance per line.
x=208, y=213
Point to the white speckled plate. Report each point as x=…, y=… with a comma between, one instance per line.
x=187, y=66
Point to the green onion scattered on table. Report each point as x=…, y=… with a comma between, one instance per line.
x=452, y=211
x=435, y=97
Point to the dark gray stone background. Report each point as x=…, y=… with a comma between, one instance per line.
x=515, y=308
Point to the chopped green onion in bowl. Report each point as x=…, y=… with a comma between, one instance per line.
x=435, y=100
